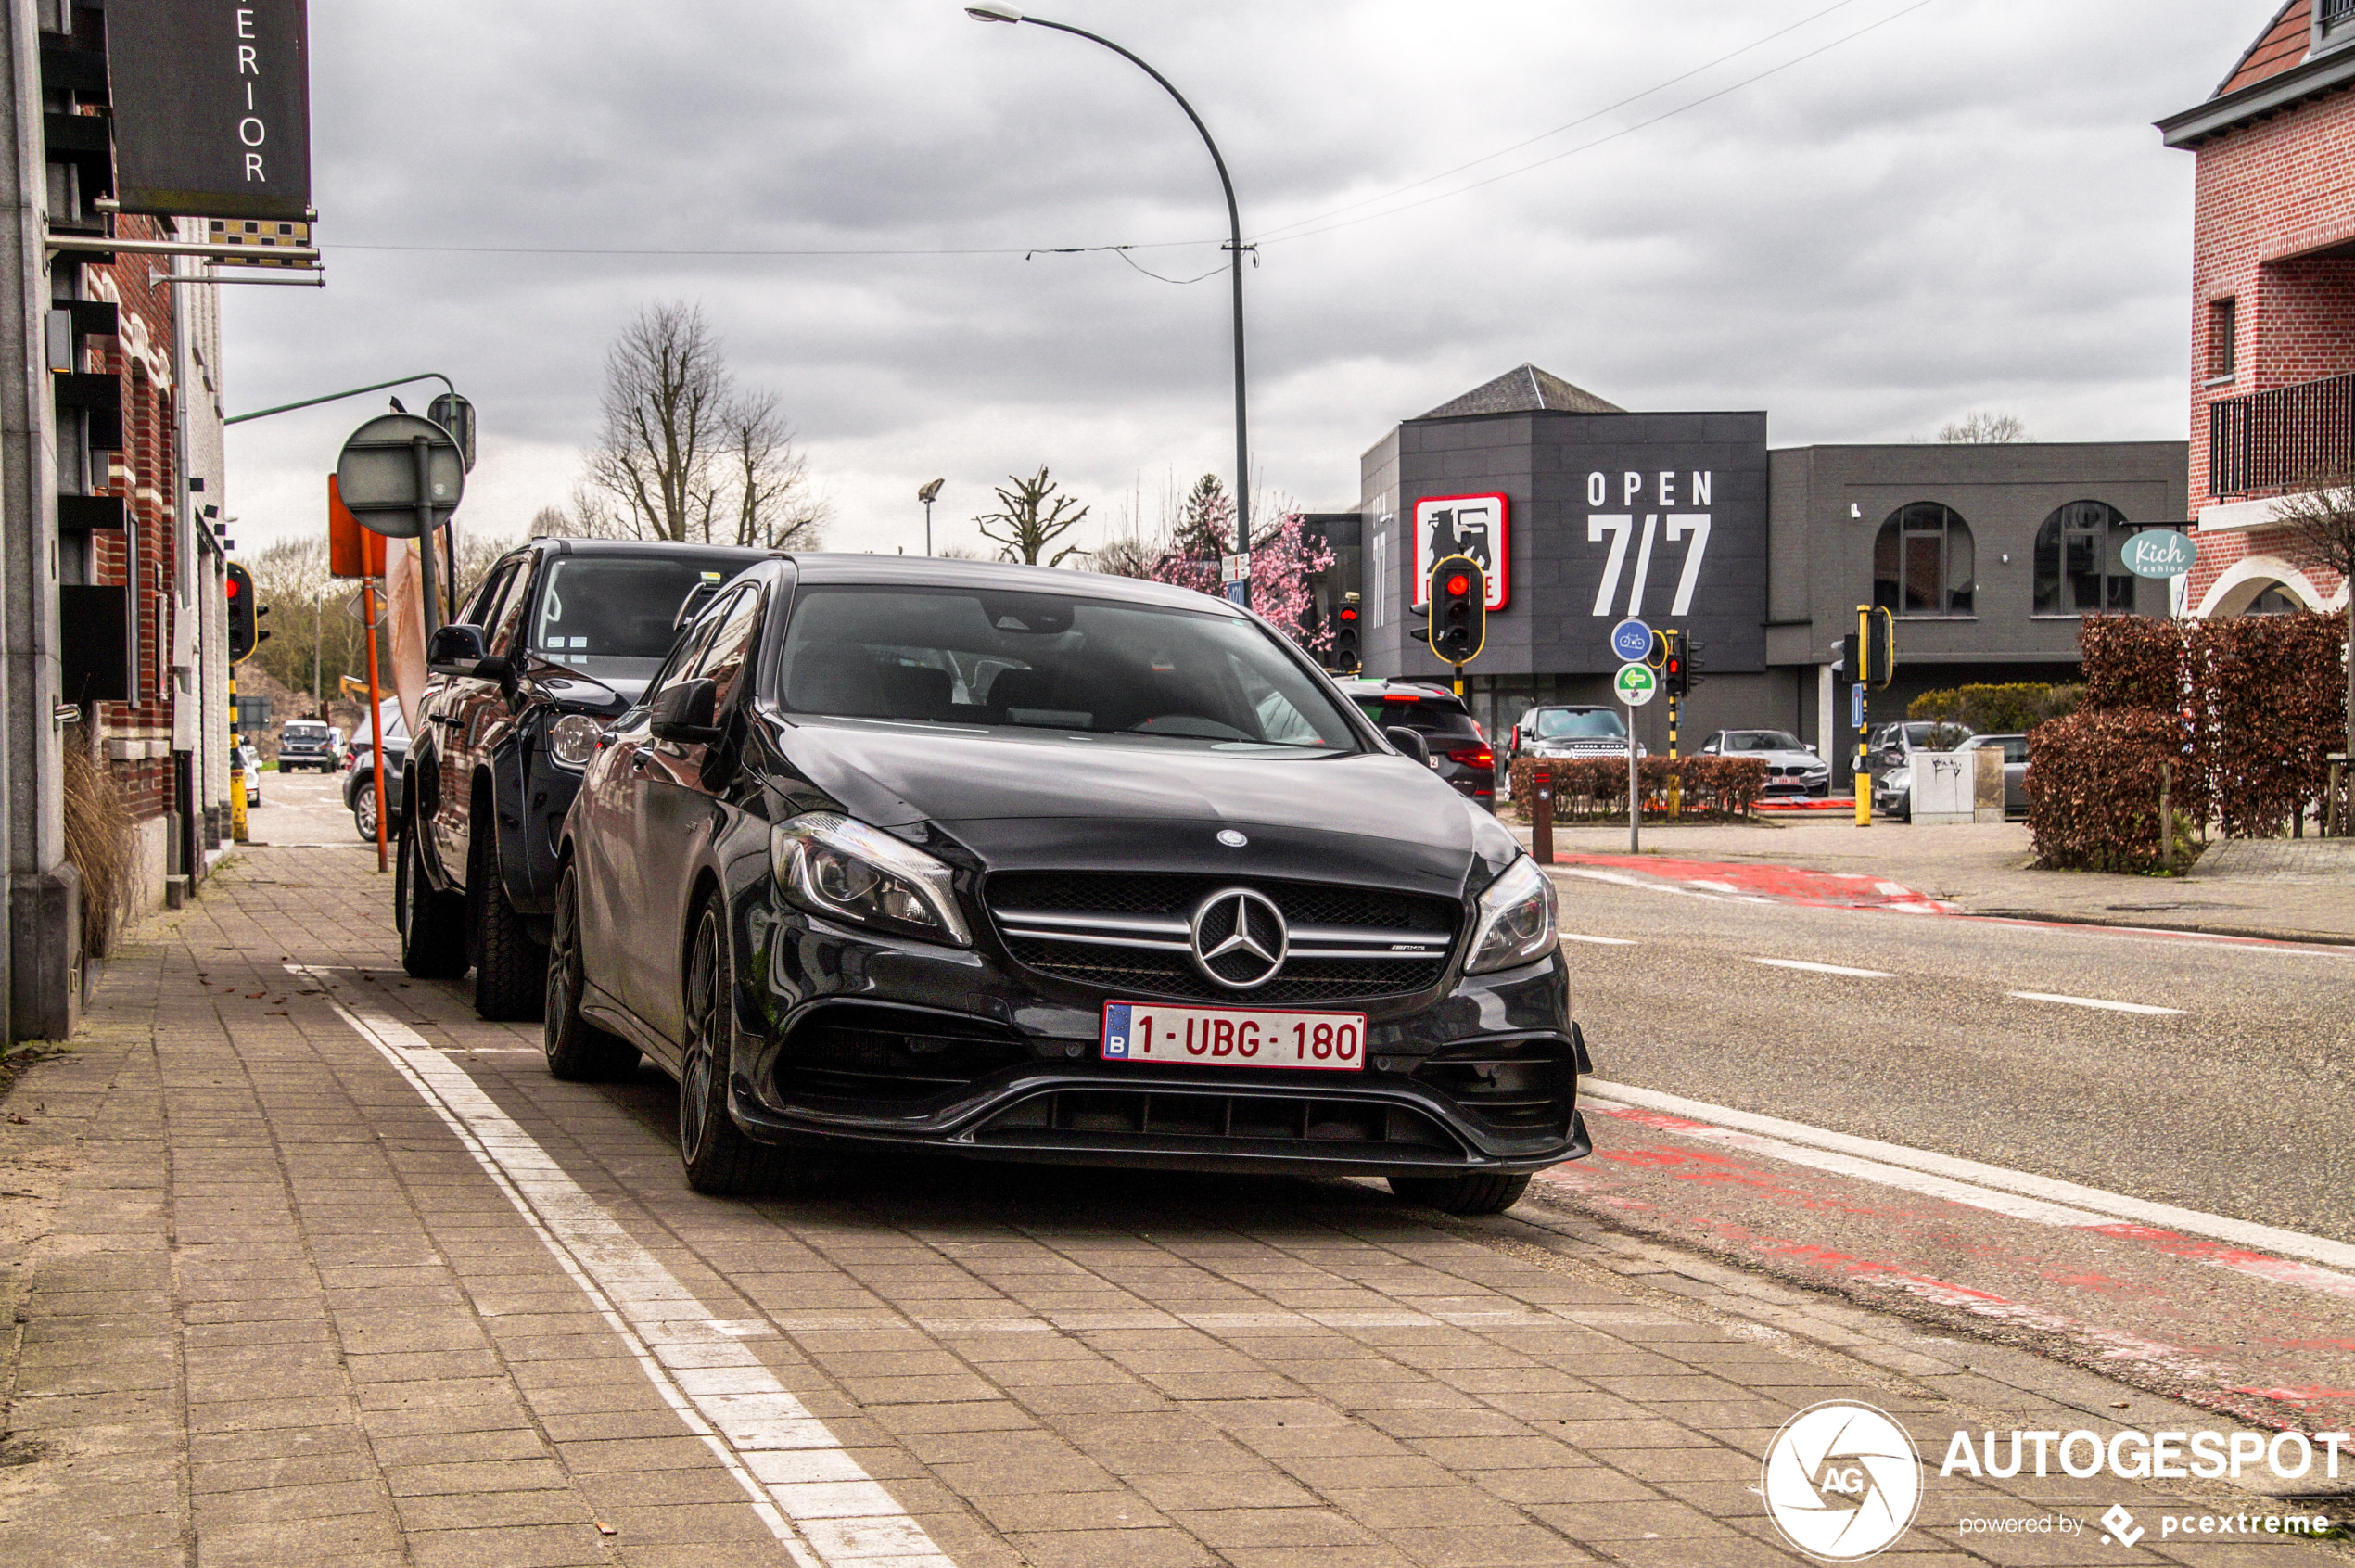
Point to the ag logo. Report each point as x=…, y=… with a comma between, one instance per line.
x=1842, y=1481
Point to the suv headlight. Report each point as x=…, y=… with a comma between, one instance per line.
x=1516, y=920
x=830, y=865
x=572, y=740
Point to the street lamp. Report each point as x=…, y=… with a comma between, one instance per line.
x=927, y=495
x=1242, y=590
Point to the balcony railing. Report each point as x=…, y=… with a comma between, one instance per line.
x=2267, y=441
x=2335, y=14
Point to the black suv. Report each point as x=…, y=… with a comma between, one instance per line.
x=1457, y=752
x=1020, y=864
x=558, y=641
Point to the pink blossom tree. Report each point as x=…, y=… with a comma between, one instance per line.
x=1283, y=562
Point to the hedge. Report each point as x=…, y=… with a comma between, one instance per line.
x=1595, y=788
x=1996, y=711
x=2094, y=780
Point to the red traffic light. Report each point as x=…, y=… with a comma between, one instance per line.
x=232, y=588
x=1349, y=614
x=1459, y=583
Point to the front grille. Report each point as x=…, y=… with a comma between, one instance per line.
x=1109, y=1116
x=867, y=1055
x=1129, y=935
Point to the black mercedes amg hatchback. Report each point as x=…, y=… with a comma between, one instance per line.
x=1023, y=864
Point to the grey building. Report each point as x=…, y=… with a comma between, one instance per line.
x=1585, y=513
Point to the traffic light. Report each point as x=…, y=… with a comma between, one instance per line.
x=1344, y=655
x=243, y=637
x=1458, y=609
x=1869, y=656
x=1675, y=672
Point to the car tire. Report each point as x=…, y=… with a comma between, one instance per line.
x=719, y=1160
x=433, y=925
x=511, y=970
x=576, y=1049
x=1461, y=1195
x=363, y=811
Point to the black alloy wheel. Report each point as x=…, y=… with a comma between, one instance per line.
x=363, y=809
x=720, y=1159
x=433, y=925
x=511, y=970
x=1461, y=1195
x=576, y=1049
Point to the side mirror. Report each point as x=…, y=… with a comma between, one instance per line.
x=684, y=713
x=1408, y=740
x=455, y=650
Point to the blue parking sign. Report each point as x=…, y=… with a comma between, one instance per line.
x=1631, y=640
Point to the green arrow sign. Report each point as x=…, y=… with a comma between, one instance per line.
x=1635, y=684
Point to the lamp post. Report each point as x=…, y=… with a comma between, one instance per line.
x=930, y=493
x=1242, y=590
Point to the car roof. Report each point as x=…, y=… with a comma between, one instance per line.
x=945, y=573
x=1366, y=686
x=659, y=548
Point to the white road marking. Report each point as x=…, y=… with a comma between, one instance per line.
x=1824, y=968
x=1600, y=941
x=1633, y=881
x=2096, y=1001
x=813, y=1495
x=2061, y=1199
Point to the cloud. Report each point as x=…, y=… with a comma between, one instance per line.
x=1965, y=208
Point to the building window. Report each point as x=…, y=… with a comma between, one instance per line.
x=2223, y=334
x=2334, y=22
x=1923, y=562
x=2079, y=568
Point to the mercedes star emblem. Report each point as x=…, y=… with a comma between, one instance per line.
x=1240, y=939
x=1231, y=839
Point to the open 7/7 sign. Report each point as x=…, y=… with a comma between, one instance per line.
x=1685, y=528
x=1463, y=525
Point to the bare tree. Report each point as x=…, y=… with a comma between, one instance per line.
x=778, y=507
x=550, y=522
x=1030, y=517
x=1984, y=430
x=665, y=403
x=2317, y=520
x=1133, y=554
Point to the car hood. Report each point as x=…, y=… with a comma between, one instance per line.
x=1783, y=759
x=1020, y=801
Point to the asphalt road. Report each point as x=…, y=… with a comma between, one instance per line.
x=302, y=808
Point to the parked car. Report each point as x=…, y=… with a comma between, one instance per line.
x=1792, y=766
x=1891, y=745
x=559, y=640
x=1020, y=864
x=1571, y=730
x=1459, y=752
x=249, y=759
x=360, y=783
x=2015, y=768
x=308, y=743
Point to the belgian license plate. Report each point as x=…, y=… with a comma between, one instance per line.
x=1233, y=1037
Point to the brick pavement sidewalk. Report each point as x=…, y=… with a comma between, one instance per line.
x=272, y=1309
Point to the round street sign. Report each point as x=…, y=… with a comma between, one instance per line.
x=1631, y=639
x=1636, y=683
x=2159, y=553
x=378, y=474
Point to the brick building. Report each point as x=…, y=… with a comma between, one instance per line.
x=2273, y=303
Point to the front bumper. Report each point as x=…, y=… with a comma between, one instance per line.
x=845, y=1038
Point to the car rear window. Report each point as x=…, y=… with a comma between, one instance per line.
x=1423, y=715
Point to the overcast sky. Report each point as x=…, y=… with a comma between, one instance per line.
x=1961, y=207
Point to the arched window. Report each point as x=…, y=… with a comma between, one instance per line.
x=2079, y=569
x=1923, y=562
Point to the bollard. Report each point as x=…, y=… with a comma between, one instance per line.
x=1541, y=815
x=2166, y=816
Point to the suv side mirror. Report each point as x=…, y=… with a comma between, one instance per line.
x=684, y=713
x=455, y=650
x=1408, y=740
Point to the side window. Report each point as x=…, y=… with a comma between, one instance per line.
x=722, y=660
x=480, y=609
x=502, y=634
x=680, y=664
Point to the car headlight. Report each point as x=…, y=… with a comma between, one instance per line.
x=1516, y=919
x=572, y=740
x=848, y=871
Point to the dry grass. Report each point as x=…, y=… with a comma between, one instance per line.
x=99, y=844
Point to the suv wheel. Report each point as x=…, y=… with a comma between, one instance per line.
x=1461, y=1195
x=363, y=809
x=433, y=925
x=720, y=1159
x=576, y=1048
x=511, y=970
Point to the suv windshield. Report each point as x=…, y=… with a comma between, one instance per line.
x=1042, y=661
x=610, y=616
x=302, y=732
x=1762, y=740
x=1574, y=723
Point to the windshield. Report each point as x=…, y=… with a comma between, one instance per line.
x=301, y=731
x=1762, y=740
x=610, y=616
x=1571, y=723
x=1041, y=661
